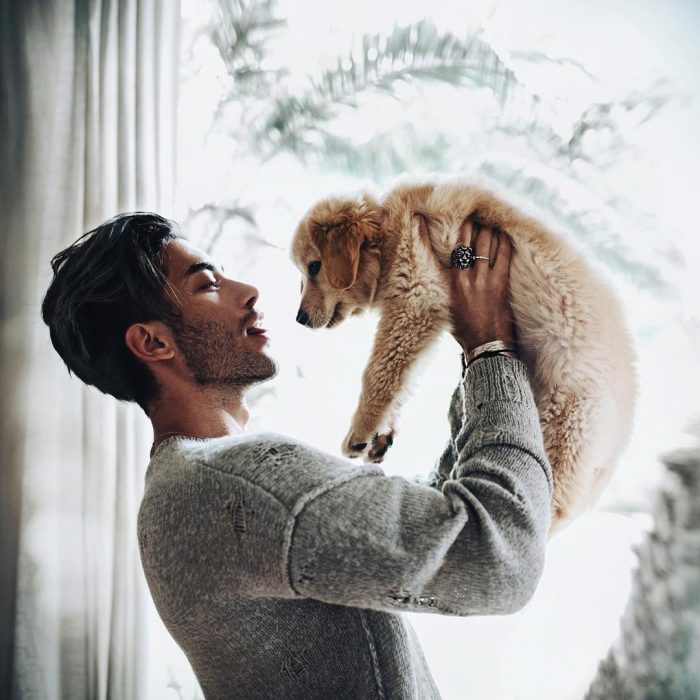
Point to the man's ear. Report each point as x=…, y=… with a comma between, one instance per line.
x=340, y=238
x=145, y=341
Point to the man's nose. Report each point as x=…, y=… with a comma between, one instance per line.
x=250, y=295
x=303, y=317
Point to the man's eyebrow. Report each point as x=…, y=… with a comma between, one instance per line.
x=202, y=265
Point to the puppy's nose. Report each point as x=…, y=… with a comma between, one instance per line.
x=302, y=317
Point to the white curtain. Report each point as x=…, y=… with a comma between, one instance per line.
x=87, y=129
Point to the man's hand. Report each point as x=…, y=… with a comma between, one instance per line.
x=481, y=310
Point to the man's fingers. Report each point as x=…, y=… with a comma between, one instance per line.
x=482, y=242
x=493, y=250
x=466, y=233
x=501, y=267
x=481, y=248
x=485, y=241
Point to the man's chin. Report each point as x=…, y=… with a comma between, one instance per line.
x=273, y=369
x=264, y=368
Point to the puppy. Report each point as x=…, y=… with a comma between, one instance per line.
x=357, y=253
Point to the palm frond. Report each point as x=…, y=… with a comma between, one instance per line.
x=410, y=53
x=606, y=115
x=217, y=216
x=241, y=32
x=540, y=57
x=384, y=155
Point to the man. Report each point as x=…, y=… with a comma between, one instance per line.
x=282, y=570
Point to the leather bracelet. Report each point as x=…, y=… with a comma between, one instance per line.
x=486, y=347
x=491, y=353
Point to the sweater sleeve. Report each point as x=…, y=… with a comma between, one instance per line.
x=471, y=541
x=455, y=416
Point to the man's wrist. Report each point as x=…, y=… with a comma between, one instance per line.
x=491, y=353
x=482, y=355
x=495, y=342
x=472, y=344
x=491, y=346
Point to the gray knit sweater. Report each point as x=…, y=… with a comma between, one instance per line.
x=282, y=570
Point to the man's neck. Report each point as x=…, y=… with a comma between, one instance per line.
x=209, y=415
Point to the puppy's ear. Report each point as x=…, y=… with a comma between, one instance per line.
x=341, y=236
x=340, y=254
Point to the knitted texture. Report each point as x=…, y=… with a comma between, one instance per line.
x=282, y=570
x=658, y=652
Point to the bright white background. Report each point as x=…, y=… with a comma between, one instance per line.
x=551, y=649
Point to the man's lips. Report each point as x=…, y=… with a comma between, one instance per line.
x=254, y=327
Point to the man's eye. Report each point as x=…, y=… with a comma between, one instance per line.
x=215, y=285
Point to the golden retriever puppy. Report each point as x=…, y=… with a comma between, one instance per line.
x=361, y=252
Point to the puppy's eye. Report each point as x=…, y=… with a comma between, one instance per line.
x=314, y=267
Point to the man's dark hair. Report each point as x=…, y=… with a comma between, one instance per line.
x=109, y=278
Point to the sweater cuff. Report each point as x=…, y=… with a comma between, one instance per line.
x=498, y=377
x=498, y=395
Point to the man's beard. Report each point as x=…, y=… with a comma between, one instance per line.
x=218, y=354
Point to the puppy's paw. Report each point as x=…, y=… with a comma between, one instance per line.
x=379, y=447
x=354, y=443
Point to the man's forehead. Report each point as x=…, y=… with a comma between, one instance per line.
x=185, y=258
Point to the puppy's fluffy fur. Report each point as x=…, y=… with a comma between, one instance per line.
x=571, y=331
